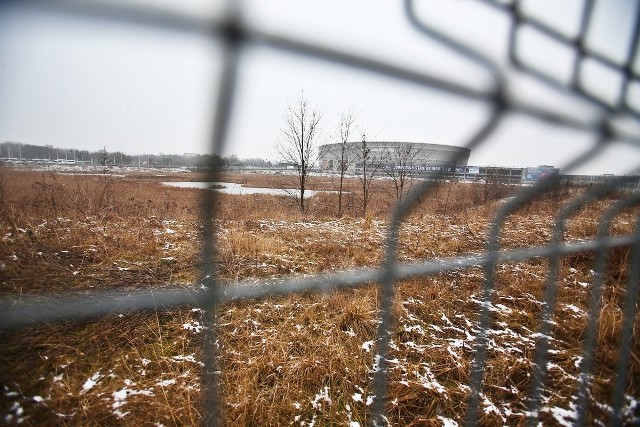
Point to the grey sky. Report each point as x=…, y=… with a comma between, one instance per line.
x=88, y=84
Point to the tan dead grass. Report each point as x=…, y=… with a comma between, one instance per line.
x=293, y=359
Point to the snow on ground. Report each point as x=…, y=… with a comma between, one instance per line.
x=91, y=382
x=99, y=169
x=451, y=334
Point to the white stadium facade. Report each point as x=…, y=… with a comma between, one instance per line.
x=385, y=156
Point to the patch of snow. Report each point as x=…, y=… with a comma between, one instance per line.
x=357, y=397
x=455, y=355
x=16, y=411
x=8, y=392
x=447, y=422
x=322, y=395
x=539, y=335
x=118, y=413
x=120, y=398
x=504, y=308
x=435, y=327
x=419, y=348
x=497, y=308
x=91, y=382
x=188, y=358
x=446, y=319
x=564, y=417
x=631, y=409
x=367, y=345
x=575, y=309
x=490, y=407
x=166, y=383
x=456, y=343
x=195, y=326
x=428, y=381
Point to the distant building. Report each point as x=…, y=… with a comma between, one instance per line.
x=539, y=172
x=418, y=158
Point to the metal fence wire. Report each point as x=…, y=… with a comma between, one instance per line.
x=234, y=34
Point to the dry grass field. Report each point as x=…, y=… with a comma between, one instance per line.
x=299, y=360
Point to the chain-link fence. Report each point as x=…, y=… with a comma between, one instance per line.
x=234, y=34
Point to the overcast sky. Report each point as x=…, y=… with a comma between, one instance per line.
x=80, y=83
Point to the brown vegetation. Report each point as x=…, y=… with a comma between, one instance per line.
x=299, y=358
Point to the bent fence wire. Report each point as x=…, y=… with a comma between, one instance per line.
x=234, y=34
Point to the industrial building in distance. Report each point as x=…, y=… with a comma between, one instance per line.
x=381, y=156
x=435, y=161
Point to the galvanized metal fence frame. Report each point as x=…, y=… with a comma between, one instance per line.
x=234, y=34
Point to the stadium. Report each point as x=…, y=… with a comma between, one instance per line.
x=379, y=157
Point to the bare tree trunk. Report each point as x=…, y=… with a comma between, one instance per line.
x=303, y=183
x=365, y=189
x=346, y=122
x=343, y=168
x=368, y=171
x=340, y=194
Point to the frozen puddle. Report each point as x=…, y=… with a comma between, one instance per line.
x=239, y=189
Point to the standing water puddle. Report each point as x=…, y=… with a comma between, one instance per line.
x=239, y=189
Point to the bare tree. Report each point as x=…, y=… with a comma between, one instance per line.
x=368, y=164
x=104, y=160
x=401, y=163
x=297, y=144
x=495, y=183
x=347, y=119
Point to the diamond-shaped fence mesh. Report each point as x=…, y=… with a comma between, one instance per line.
x=234, y=34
